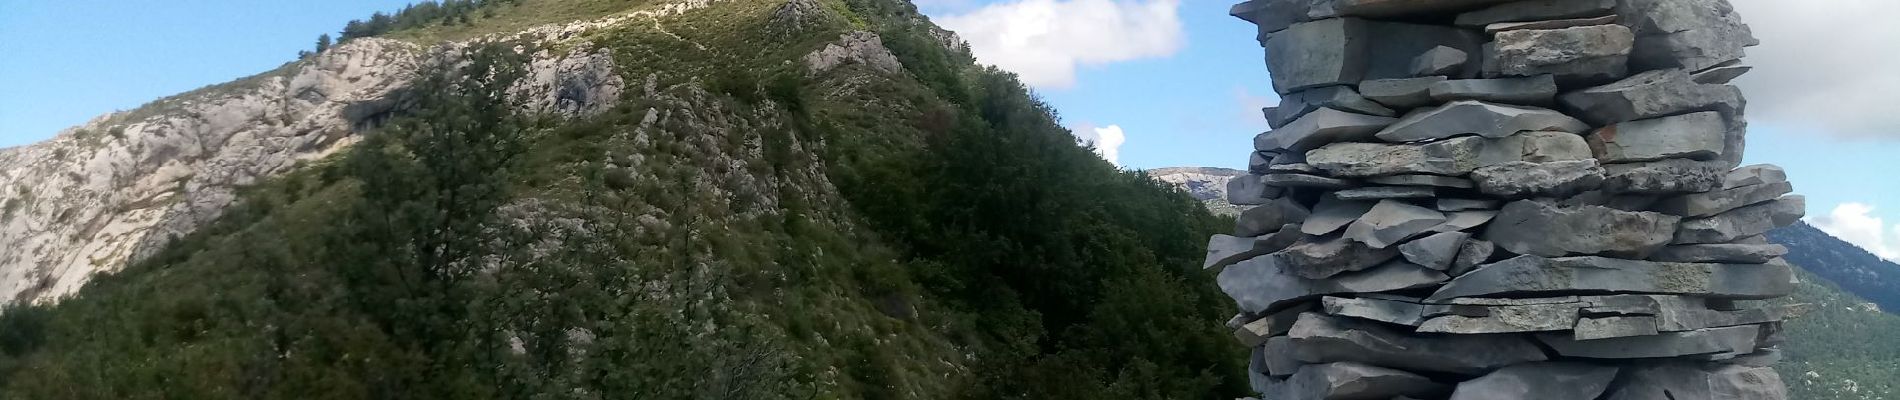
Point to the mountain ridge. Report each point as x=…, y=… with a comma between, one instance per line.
x=767, y=208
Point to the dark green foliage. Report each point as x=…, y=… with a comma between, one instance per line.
x=425, y=13
x=323, y=42
x=1845, y=349
x=772, y=235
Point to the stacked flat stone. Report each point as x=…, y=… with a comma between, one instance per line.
x=1506, y=199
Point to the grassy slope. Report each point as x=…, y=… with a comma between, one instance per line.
x=967, y=250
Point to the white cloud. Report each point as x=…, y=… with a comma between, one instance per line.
x=1824, y=65
x=1107, y=140
x=1854, y=223
x=1044, y=41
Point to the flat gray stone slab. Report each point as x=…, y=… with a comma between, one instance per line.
x=1449, y=204
x=1507, y=319
x=1650, y=94
x=1291, y=180
x=1325, y=257
x=1319, y=128
x=1474, y=253
x=1698, y=136
x=1542, y=229
x=1323, y=339
x=1391, y=222
x=1423, y=180
x=1350, y=380
x=1333, y=214
x=1490, y=120
x=1256, y=332
x=1465, y=220
x=1721, y=75
x=1400, y=93
x=1440, y=61
x=1391, y=8
x=1224, y=250
x=1721, y=253
x=1277, y=356
x=1716, y=202
x=1342, y=98
x=1584, y=54
x=1671, y=176
x=1735, y=339
x=1688, y=34
x=1387, y=192
x=1692, y=380
x=1247, y=190
x=1615, y=327
x=1523, y=179
x=1436, y=251
x=1760, y=174
x=1538, y=276
x=1452, y=157
x=1536, y=10
x=1269, y=217
x=1742, y=222
x=1387, y=311
x=1550, y=24
x=1540, y=146
x=1538, y=90
x=1540, y=381
x=1261, y=284
x=1318, y=53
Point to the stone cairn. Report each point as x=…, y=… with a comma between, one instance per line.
x=1506, y=199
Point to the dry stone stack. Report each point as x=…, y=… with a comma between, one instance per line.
x=1506, y=199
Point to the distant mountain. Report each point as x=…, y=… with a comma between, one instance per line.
x=1207, y=184
x=1849, y=266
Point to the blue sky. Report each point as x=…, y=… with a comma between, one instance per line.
x=1176, y=82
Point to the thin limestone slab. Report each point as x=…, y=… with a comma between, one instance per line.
x=1538, y=90
x=1489, y=120
x=1391, y=222
x=1319, y=128
x=1584, y=54
x=1539, y=276
x=1735, y=339
x=1742, y=222
x=1262, y=284
x=1225, y=250
x=1540, y=381
x=1323, y=339
x=1351, y=380
x=1697, y=136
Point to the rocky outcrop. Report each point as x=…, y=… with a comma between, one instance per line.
x=1529, y=200
x=118, y=188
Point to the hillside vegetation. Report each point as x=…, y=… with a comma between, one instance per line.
x=739, y=228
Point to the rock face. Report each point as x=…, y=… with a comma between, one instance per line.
x=1549, y=211
x=121, y=186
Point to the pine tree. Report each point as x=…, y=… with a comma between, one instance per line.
x=323, y=42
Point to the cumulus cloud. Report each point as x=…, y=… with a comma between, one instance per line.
x=1854, y=223
x=1107, y=140
x=1044, y=41
x=1824, y=65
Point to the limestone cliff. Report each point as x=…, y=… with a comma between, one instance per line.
x=121, y=186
